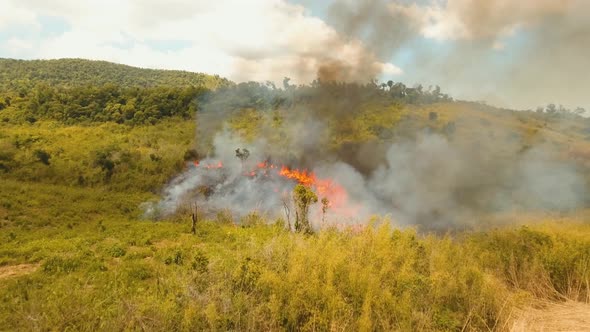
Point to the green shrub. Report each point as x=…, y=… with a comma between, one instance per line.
x=117, y=251
x=200, y=262
x=177, y=258
x=57, y=264
x=139, y=272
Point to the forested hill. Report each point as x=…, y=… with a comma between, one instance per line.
x=76, y=90
x=25, y=74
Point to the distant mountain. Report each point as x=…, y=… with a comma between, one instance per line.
x=19, y=74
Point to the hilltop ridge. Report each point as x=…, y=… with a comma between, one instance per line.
x=18, y=74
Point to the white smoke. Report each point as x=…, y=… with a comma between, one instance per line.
x=418, y=177
x=428, y=182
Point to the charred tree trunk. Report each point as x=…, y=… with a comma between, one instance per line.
x=194, y=220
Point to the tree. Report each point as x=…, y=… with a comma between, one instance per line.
x=579, y=111
x=286, y=84
x=43, y=156
x=243, y=155
x=436, y=92
x=303, y=197
x=390, y=84
x=191, y=155
x=419, y=89
x=194, y=218
x=104, y=161
x=398, y=90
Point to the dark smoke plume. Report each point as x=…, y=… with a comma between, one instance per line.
x=418, y=177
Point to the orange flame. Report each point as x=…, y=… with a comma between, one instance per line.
x=218, y=165
x=303, y=177
x=325, y=188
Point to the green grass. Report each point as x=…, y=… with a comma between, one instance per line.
x=144, y=157
x=98, y=266
x=120, y=273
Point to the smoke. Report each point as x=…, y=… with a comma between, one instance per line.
x=434, y=179
x=221, y=180
x=418, y=175
x=437, y=184
x=517, y=54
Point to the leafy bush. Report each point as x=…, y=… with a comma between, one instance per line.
x=139, y=272
x=61, y=265
x=117, y=251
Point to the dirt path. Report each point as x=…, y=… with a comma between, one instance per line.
x=549, y=317
x=17, y=270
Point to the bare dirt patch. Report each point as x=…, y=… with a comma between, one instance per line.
x=17, y=270
x=567, y=316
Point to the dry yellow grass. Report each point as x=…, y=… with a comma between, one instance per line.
x=546, y=316
x=17, y=270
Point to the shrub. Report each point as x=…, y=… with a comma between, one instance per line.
x=43, y=156
x=200, y=262
x=139, y=272
x=58, y=264
x=117, y=251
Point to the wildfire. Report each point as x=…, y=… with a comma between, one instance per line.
x=303, y=177
x=325, y=188
x=209, y=166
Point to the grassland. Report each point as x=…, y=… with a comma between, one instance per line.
x=76, y=254
x=95, y=266
x=89, y=262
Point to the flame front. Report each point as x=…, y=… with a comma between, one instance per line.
x=325, y=188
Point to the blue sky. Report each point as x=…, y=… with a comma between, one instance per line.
x=505, y=55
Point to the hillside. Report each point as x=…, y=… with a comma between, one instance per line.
x=81, y=157
x=76, y=90
x=25, y=74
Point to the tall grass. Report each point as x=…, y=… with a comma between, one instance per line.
x=118, y=273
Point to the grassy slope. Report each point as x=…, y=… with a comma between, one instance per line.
x=145, y=156
x=101, y=267
x=475, y=124
x=97, y=266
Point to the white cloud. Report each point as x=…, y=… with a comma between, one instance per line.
x=258, y=39
x=18, y=47
x=13, y=15
x=390, y=69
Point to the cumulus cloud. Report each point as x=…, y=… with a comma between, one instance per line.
x=257, y=39
x=13, y=15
